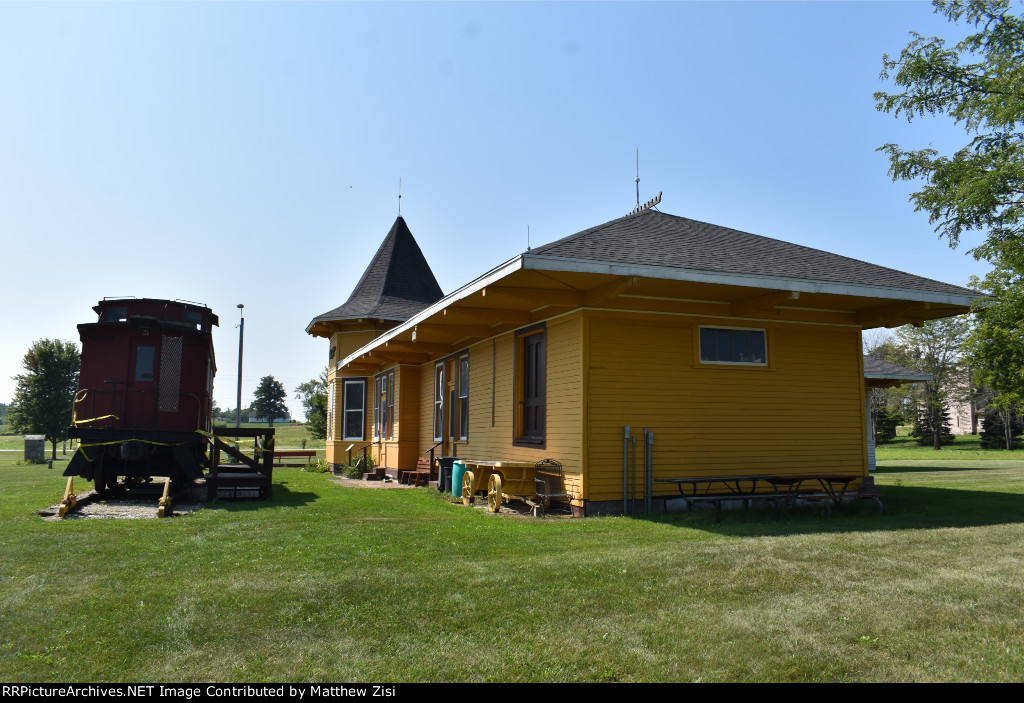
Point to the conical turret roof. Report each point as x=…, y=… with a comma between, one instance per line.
x=396, y=285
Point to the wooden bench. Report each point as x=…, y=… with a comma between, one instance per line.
x=422, y=475
x=294, y=453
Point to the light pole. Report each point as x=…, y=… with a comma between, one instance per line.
x=238, y=401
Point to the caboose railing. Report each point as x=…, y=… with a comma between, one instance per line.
x=117, y=407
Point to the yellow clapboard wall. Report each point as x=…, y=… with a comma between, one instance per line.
x=491, y=437
x=803, y=413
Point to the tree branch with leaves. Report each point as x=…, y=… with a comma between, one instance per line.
x=979, y=83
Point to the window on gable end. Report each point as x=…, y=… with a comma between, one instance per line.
x=733, y=345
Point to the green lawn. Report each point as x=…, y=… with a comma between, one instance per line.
x=285, y=437
x=327, y=582
x=964, y=448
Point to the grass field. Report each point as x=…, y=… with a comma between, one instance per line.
x=328, y=582
x=285, y=437
x=964, y=448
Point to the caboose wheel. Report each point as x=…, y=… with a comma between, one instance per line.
x=494, y=493
x=467, y=488
x=100, y=481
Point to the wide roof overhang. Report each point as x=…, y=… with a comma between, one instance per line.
x=531, y=287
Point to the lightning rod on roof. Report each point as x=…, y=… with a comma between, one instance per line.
x=646, y=206
x=638, y=177
x=527, y=237
x=650, y=203
x=399, y=196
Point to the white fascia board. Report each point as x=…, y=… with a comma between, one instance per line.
x=489, y=278
x=537, y=262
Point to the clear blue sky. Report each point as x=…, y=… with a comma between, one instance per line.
x=251, y=152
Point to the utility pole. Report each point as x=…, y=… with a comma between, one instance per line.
x=241, y=335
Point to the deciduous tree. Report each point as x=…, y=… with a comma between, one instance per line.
x=979, y=83
x=996, y=344
x=46, y=390
x=936, y=348
x=313, y=395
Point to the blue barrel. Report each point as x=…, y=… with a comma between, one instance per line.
x=458, y=471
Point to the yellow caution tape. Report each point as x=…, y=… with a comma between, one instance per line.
x=79, y=397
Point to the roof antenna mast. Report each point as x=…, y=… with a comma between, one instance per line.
x=527, y=237
x=638, y=177
x=400, y=196
x=650, y=203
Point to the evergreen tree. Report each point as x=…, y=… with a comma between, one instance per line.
x=268, y=400
x=993, y=430
x=886, y=422
x=929, y=416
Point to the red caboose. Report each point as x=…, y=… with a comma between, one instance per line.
x=144, y=391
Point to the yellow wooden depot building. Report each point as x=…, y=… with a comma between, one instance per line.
x=740, y=353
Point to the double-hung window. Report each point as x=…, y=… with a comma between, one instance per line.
x=531, y=385
x=354, y=397
x=384, y=405
x=330, y=410
x=438, y=401
x=463, y=390
x=377, y=406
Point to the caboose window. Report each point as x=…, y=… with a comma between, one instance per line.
x=118, y=314
x=194, y=317
x=144, y=358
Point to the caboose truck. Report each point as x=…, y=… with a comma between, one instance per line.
x=144, y=397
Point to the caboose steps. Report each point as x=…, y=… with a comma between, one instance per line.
x=234, y=484
x=252, y=475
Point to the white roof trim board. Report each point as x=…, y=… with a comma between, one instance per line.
x=548, y=263
x=551, y=263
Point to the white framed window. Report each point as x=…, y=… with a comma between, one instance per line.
x=376, y=407
x=384, y=406
x=743, y=346
x=438, y=401
x=389, y=404
x=463, y=391
x=354, y=408
x=330, y=410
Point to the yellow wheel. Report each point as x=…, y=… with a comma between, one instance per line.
x=467, y=488
x=494, y=493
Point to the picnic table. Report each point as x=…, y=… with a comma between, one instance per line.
x=831, y=488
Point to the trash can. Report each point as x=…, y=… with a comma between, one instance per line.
x=444, y=474
x=458, y=471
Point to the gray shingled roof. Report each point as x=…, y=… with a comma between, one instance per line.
x=396, y=285
x=876, y=368
x=657, y=239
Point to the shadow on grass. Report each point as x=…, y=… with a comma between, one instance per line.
x=928, y=468
x=281, y=497
x=906, y=508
